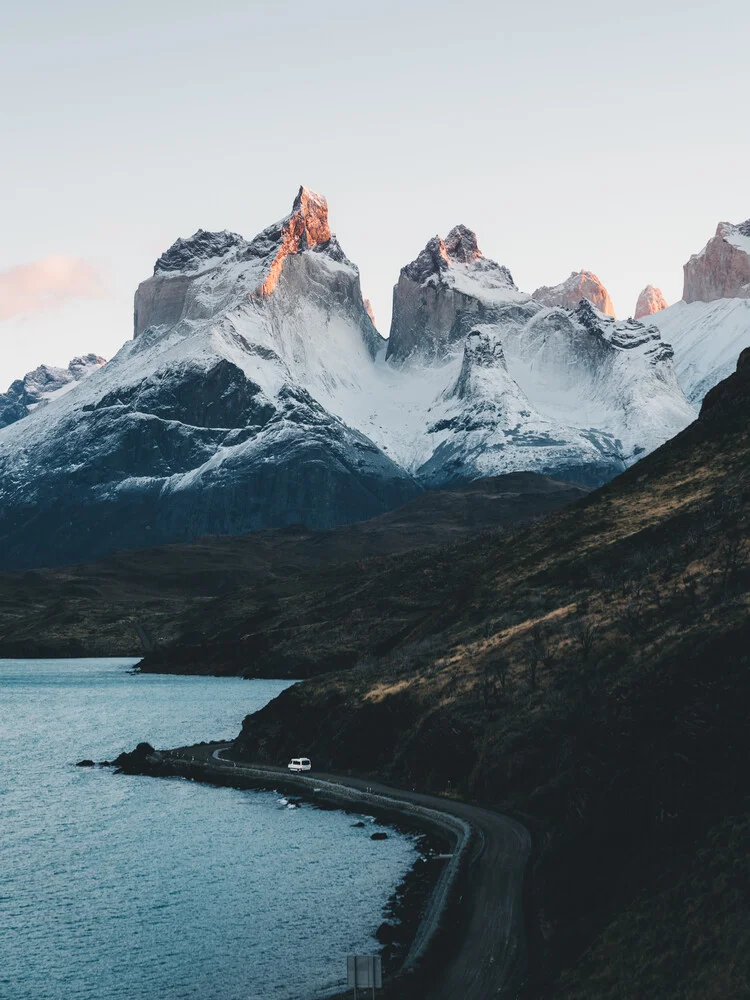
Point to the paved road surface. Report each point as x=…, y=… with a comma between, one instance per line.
x=490, y=960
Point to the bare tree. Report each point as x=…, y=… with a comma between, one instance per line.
x=501, y=668
x=540, y=641
x=732, y=556
x=634, y=619
x=494, y=677
x=532, y=664
x=690, y=588
x=585, y=633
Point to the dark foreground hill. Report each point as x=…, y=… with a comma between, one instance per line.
x=136, y=601
x=590, y=673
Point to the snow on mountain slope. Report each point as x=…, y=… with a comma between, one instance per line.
x=710, y=327
x=256, y=392
x=205, y=422
x=449, y=282
x=503, y=383
x=707, y=338
x=44, y=384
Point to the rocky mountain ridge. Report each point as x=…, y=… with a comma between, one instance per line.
x=721, y=270
x=257, y=392
x=205, y=422
x=44, y=384
x=515, y=384
x=580, y=285
x=711, y=324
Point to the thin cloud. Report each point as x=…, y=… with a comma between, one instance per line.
x=46, y=284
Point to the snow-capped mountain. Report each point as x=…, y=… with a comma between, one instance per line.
x=710, y=326
x=256, y=392
x=509, y=384
x=206, y=422
x=707, y=338
x=44, y=384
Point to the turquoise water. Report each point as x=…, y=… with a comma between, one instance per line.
x=114, y=886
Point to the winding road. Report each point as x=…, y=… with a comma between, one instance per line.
x=488, y=954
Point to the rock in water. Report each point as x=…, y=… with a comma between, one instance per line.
x=135, y=761
x=650, y=301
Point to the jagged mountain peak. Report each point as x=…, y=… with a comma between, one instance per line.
x=461, y=245
x=621, y=334
x=255, y=393
x=202, y=275
x=447, y=278
x=306, y=228
x=43, y=384
x=311, y=209
x=721, y=270
x=650, y=301
x=738, y=233
x=580, y=285
x=199, y=251
x=454, y=258
x=428, y=262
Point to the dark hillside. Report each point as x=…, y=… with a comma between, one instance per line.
x=592, y=674
x=136, y=601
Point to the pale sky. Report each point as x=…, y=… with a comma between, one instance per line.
x=568, y=135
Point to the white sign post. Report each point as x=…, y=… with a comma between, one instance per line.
x=364, y=971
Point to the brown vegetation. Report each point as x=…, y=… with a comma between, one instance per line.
x=177, y=595
x=591, y=674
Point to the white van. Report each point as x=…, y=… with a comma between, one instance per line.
x=299, y=764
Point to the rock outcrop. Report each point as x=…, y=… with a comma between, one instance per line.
x=710, y=325
x=172, y=293
x=43, y=384
x=436, y=300
x=580, y=285
x=722, y=269
x=650, y=301
x=369, y=310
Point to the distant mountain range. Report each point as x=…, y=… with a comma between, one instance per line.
x=42, y=385
x=257, y=393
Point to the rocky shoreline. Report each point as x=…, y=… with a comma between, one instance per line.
x=409, y=949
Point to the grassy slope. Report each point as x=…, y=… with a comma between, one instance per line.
x=592, y=674
x=153, y=596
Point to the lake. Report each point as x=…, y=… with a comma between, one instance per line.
x=117, y=886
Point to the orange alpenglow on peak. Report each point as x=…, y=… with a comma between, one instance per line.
x=312, y=211
x=369, y=310
x=580, y=285
x=461, y=245
x=306, y=227
x=650, y=301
